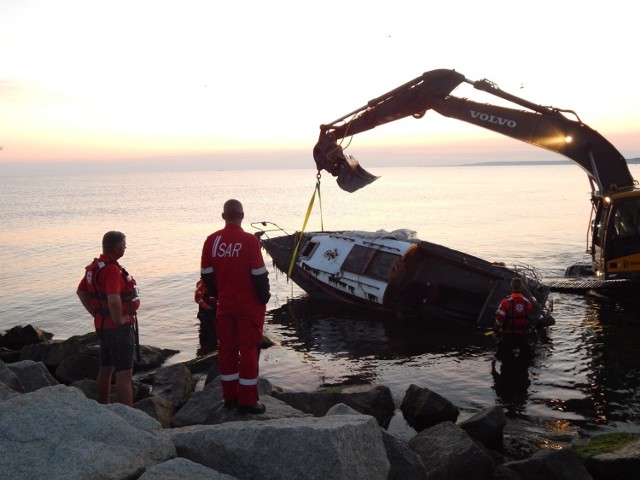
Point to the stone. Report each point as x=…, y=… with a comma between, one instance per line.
x=423, y=408
x=339, y=447
x=57, y=433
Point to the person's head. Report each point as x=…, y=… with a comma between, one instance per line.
x=114, y=244
x=232, y=212
x=516, y=284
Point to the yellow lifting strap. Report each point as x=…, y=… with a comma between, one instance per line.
x=304, y=224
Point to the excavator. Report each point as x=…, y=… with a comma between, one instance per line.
x=614, y=229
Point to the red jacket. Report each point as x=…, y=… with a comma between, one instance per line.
x=512, y=316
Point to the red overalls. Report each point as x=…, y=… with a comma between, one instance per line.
x=234, y=255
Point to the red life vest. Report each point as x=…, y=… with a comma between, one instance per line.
x=513, y=315
x=201, y=296
x=98, y=299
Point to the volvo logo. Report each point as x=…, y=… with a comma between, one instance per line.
x=485, y=117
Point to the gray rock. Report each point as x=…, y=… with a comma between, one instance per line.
x=9, y=378
x=423, y=408
x=374, y=400
x=174, y=383
x=51, y=353
x=405, y=464
x=7, y=392
x=487, y=427
x=623, y=462
x=331, y=448
x=158, y=408
x=206, y=408
x=17, y=337
x=57, y=433
x=449, y=453
x=552, y=465
x=78, y=366
x=183, y=468
x=32, y=375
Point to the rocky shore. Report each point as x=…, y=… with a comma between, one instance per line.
x=52, y=427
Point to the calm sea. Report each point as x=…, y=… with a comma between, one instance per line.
x=586, y=373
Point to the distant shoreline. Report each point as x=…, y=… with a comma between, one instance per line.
x=630, y=161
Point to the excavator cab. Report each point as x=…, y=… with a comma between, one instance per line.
x=616, y=235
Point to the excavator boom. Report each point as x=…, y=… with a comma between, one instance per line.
x=542, y=126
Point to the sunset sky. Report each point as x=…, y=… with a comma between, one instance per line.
x=166, y=80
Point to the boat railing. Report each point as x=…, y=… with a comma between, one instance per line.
x=265, y=228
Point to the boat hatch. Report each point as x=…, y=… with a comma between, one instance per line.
x=308, y=249
x=370, y=262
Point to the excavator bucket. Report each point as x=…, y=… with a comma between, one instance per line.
x=330, y=157
x=353, y=177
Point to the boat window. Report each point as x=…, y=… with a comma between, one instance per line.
x=308, y=249
x=370, y=262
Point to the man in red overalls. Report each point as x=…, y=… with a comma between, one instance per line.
x=233, y=270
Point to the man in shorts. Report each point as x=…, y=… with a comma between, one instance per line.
x=109, y=294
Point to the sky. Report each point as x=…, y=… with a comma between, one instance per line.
x=247, y=84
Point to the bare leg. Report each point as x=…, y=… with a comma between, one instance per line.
x=124, y=392
x=103, y=384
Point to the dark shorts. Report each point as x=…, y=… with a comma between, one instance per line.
x=116, y=347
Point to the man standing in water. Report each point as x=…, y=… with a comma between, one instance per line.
x=110, y=295
x=233, y=270
x=512, y=322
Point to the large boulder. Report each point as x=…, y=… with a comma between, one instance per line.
x=174, y=383
x=374, y=400
x=183, y=468
x=621, y=462
x=76, y=367
x=551, y=464
x=487, y=427
x=449, y=453
x=10, y=379
x=57, y=433
x=51, y=353
x=19, y=336
x=205, y=407
x=341, y=447
x=32, y=375
x=423, y=408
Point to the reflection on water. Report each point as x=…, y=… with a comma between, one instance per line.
x=584, y=371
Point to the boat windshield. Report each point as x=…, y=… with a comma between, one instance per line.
x=370, y=262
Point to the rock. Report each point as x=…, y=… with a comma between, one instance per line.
x=183, y=468
x=7, y=392
x=78, y=366
x=550, y=465
x=9, y=378
x=487, y=427
x=405, y=464
x=374, y=400
x=206, y=408
x=159, y=408
x=448, y=453
x=623, y=462
x=423, y=408
x=9, y=356
x=344, y=447
x=57, y=433
x=203, y=363
x=51, y=353
x=174, y=383
x=19, y=336
x=32, y=375
x=151, y=357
